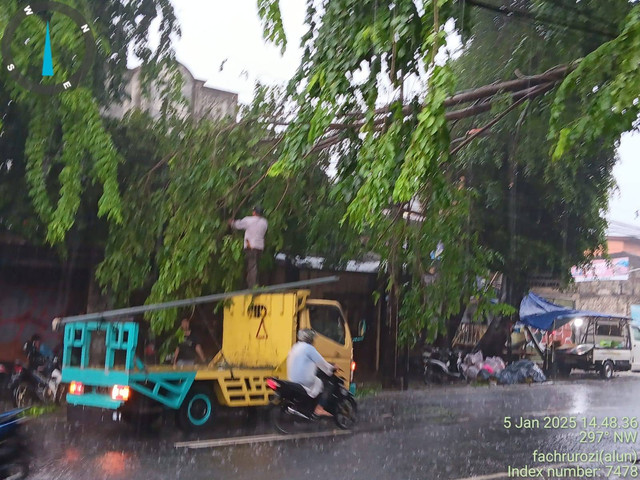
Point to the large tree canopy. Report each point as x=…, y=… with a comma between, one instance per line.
x=362, y=60
x=367, y=153
x=166, y=187
x=182, y=185
x=59, y=143
x=542, y=214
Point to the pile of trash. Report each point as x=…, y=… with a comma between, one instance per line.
x=474, y=367
x=522, y=371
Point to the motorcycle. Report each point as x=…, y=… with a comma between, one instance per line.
x=441, y=365
x=14, y=458
x=292, y=405
x=41, y=384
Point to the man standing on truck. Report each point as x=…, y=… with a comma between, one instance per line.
x=186, y=352
x=255, y=227
x=302, y=362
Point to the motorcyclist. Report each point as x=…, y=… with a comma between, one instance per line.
x=302, y=363
x=36, y=354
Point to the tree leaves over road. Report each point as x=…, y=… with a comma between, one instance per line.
x=361, y=55
x=366, y=163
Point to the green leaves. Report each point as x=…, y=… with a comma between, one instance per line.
x=181, y=184
x=429, y=148
x=404, y=191
x=388, y=186
x=605, y=82
x=392, y=171
x=83, y=141
x=541, y=215
x=67, y=148
x=269, y=12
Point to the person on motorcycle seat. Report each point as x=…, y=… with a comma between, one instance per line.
x=36, y=354
x=302, y=363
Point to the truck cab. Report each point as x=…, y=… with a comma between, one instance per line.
x=333, y=339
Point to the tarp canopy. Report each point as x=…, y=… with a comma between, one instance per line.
x=536, y=312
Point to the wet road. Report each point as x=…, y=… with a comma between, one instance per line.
x=446, y=433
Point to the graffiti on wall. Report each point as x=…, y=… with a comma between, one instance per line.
x=27, y=307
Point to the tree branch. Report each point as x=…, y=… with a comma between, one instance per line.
x=539, y=90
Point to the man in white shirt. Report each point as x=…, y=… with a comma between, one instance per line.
x=254, y=228
x=302, y=362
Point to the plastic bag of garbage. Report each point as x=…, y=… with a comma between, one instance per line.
x=473, y=359
x=470, y=372
x=521, y=372
x=495, y=364
x=537, y=374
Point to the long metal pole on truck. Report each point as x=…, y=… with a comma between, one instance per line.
x=125, y=312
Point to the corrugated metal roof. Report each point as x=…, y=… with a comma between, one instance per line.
x=620, y=229
x=317, y=263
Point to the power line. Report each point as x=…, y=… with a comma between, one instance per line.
x=509, y=11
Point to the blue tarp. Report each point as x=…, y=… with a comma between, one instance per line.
x=536, y=312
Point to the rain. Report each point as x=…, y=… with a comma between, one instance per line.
x=450, y=432
x=360, y=239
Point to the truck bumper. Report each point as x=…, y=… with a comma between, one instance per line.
x=91, y=415
x=97, y=400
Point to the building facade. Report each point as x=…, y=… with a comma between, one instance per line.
x=610, y=285
x=200, y=101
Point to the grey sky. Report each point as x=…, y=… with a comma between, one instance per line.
x=217, y=30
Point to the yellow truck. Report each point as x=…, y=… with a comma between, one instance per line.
x=259, y=329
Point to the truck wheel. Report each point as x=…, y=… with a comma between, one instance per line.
x=142, y=413
x=606, y=371
x=197, y=410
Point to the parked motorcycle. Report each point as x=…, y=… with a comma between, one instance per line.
x=41, y=384
x=441, y=365
x=292, y=405
x=14, y=457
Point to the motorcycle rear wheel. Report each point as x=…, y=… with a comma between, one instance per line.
x=61, y=394
x=23, y=397
x=346, y=413
x=282, y=421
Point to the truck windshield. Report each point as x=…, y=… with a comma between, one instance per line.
x=327, y=321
